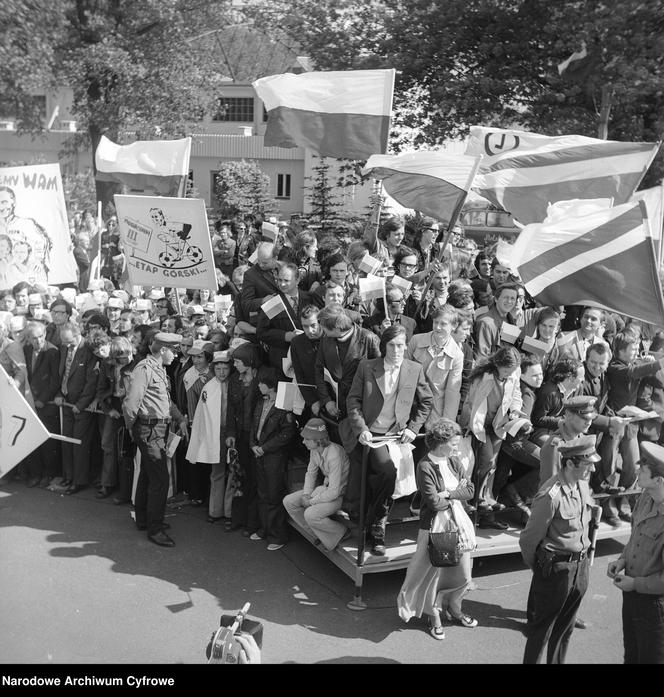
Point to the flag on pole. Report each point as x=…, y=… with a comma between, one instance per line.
x=372, y=287
x=273, y=307
x=21, y=431
x=153, y=166
x=523, y=172
x=369, y=264
x=336, y=114
x=289, y=398
x=434, y=183
x=269, y=230
x=401, y=283
x=654, y=200
x=605, y=259
x=535, y=346
x=327, y=377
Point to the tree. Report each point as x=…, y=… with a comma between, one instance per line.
x=132, y=65
x=494, y=62
x=241, y=188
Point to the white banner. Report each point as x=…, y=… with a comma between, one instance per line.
x=35, y=245
x=166, y=241
x=21, y=431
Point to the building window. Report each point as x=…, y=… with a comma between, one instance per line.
x=234, y=109
x=283, y=185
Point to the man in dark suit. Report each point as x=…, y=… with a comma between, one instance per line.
x=271, y=431
x=380, y=320
x=42, y=362
x=78, y=387
x=278, y=332
x=259, y=282
x=304, y=349
x=342, y=347
x=389, y=395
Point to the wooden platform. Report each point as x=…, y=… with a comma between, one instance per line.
x=401, y=541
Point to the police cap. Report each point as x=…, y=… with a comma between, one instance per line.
x=653, y=456
x=582, y=404
x=582, y=448
x=166, y=340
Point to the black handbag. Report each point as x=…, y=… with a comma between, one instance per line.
x=445, y=548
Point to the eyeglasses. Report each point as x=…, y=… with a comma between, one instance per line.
x=408, y=266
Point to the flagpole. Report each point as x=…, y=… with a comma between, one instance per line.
x=100, y=224
x=453, y=220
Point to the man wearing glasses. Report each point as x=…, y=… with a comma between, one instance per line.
x=60, y=313
x=381, y=319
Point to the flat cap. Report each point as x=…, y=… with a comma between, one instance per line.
x=221, y=357
x=166, y=340
x=582, y=448
x=582, y=404
x=199, y=346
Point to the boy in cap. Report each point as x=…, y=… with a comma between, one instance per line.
x=148, y=411
x=555, y=544
x=207, y=444
x=313, y=505
x=642, y=561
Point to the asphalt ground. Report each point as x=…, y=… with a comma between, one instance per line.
x=80, y=585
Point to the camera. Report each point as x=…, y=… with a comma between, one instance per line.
x=223, y=646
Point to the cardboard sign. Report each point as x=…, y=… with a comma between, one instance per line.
x=167, y=241
x=33, y=215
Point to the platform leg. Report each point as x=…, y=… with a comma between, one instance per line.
x=357, y=604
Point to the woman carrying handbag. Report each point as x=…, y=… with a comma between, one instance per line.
x=438, y=590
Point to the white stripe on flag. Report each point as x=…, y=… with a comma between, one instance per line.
x=454, y=169
x=553, y=174
x=581, y=261
x=372, y=287
x=153, y=157
x=333, y=92
x=369, y=264
x=401, y=283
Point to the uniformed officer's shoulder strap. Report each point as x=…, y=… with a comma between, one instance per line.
x=550, y=489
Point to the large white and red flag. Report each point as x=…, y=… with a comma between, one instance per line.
x=605, y=259
x=434, y=183
x=146, y=166
x=524, y=172
x=336, y=114
x=654, y=200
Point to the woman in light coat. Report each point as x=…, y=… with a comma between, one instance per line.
x=438, y=591
x=493, y=400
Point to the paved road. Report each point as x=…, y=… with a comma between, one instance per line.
x=81, y=585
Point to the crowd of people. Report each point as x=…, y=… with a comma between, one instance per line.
x=455, y=351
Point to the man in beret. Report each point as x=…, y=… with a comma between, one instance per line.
x=312, y=506
x=148, y=411
x=578, y=416
x=555, y=544
x=642, y=564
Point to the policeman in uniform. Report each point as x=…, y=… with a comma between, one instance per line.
x=578, y=416
x=554, y=544
x=148, y=411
